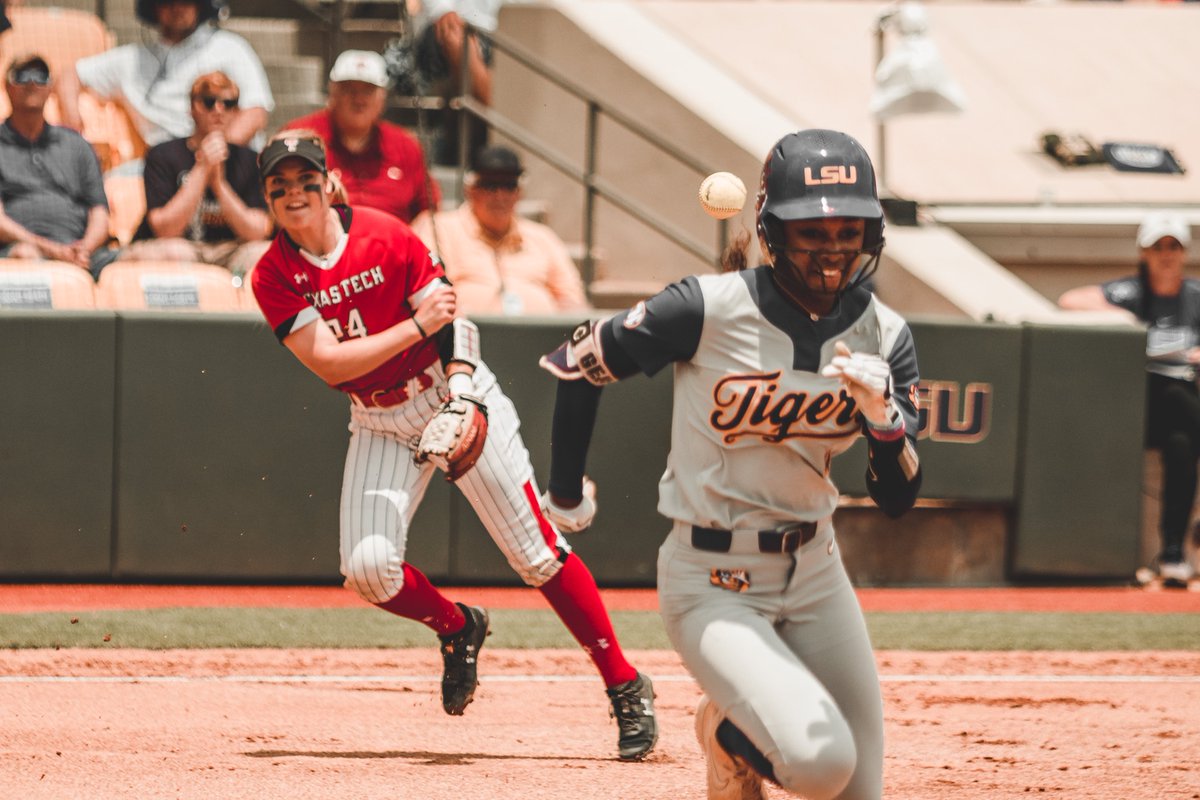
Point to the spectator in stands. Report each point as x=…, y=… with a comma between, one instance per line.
x=1160, y=296
x=431, y=63
x=443, y=27
x=499, y=262
x=380, y=164
x=203, y=197
x=152, y=79
x=52, y=201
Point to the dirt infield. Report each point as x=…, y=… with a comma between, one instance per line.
x=367, y=724
x=298, y=724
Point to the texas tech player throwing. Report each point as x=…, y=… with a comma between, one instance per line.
x=353, y=293
x=777, y=370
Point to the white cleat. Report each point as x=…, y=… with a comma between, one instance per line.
x=729, y=777
x=1176, y=574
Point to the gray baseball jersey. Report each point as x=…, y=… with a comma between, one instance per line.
x=750, y=403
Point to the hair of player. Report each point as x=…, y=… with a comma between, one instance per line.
x=737, y=254
x=212, y=82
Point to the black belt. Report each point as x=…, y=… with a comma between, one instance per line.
x=777, y=540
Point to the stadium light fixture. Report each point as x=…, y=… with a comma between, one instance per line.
x=912, y=78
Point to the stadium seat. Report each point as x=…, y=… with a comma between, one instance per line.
x=126, y=205
x=107, y=126
x=167, y=286
x=247, y=294
x=26, y=284
x=62, y=36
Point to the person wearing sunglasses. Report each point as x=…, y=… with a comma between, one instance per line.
x=499, y=261
x=1161, y=297
x=52, y=200
x=203, y=199
x=356, y=297
x=150, y=79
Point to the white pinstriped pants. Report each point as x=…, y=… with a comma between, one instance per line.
x=382, y=487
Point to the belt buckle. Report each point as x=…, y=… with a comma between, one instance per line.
x=792, y=536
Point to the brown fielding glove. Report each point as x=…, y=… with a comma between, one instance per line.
x=453, y=440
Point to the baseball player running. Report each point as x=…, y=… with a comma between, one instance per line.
x=777, y=370
x=355, y=296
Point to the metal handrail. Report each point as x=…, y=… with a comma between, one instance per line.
x=594, y=185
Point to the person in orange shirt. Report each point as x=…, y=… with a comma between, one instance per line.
x=498, y=261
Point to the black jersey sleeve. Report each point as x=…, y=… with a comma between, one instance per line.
x=893, y=467
x=1124, y=293
x=645, y=338
x=663, y=329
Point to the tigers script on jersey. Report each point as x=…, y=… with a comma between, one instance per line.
x=759, y=390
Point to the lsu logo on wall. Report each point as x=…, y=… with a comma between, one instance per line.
x=949, y=413
x=831, y=173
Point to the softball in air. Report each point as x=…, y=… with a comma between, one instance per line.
x=722, y=195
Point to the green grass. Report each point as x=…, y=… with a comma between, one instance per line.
x=638, y=630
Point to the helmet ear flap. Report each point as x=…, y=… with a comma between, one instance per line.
x=873, y=234
x=770, y=233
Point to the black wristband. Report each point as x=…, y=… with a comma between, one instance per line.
x=420, y=330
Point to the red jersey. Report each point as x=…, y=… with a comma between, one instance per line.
x=389, y=174
x=365, y=291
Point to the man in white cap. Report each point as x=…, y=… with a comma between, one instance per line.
x=1160, y=296
x=380, y=164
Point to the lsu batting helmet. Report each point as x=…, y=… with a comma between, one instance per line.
x=813, y=174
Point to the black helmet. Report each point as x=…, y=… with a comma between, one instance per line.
x=813, y=174
x=209, y=10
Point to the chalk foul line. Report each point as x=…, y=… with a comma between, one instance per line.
x=538, y=678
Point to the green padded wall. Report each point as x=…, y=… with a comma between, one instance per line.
x=174, y=446
x=56, y=466
x=972, y=381
x=229, y=453
x=1079, y=495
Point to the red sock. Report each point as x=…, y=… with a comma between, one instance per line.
x=420, y=600
x=573, y=595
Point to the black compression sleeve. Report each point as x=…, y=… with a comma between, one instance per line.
x=893, y=474
x=575, y=407
x=575, y=410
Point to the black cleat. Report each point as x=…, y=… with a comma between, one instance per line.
x=459, y=653
x=633, y=708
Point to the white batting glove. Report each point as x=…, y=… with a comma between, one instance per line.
x=868, y=379
x=573, y=520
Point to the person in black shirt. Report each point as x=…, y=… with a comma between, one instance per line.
x=1160, y=296
x=203, y=199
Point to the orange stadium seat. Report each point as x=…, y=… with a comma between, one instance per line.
x=247, y=294
x=167, y=286
x=28, y=284
x=62, y=36
x=126, y=205
x=108, y=128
